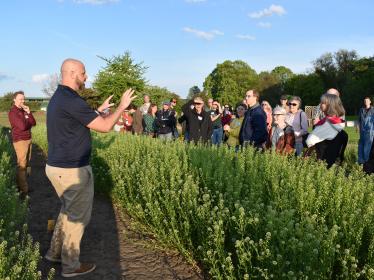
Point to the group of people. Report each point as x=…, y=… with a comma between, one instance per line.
x=148, y=120
x=283, y=129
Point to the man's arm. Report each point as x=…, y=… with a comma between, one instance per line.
x=106, y=124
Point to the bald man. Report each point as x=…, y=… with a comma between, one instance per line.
x=69, y=120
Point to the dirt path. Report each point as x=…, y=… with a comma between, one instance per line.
x=118, y=252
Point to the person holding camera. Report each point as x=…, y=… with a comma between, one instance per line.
x=21, y=121
x=199, y=122
x=165, y=122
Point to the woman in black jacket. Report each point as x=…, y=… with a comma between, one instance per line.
x=199, y=122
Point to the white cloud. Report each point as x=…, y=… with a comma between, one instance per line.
x=40, y=78
x=195, y=1
x=246, y=37
x=95, y=2
x=273, y=9
x=264, y=24
x=207, y=35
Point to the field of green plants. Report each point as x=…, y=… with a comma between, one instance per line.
x=19, y=256
x=242, y=215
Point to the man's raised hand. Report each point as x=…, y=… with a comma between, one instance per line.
x=127, y=98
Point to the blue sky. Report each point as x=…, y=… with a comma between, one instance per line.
x=180, y=41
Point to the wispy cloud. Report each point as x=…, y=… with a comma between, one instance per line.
x=264, y=24
x=95, y=2
x=273, y=9
x=206, y=35
x=4, y=77
x=246, y=37
x=195, y=1
x=40, y=78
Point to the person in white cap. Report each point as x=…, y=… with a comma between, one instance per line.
x=281, y=135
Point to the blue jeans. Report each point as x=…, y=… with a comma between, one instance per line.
x=299, y=149
x=217, y=136
x=364, y=146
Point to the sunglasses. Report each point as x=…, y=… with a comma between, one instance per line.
x=197, y=103
x=292, y=104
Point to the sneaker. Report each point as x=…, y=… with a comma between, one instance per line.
x=52, y=259
x=84, y=269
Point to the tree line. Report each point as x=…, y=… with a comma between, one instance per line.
x=344, y=70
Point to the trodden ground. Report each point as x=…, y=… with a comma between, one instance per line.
x=118, y=251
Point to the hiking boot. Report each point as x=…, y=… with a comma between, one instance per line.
x=52, y=259
x=84, y=269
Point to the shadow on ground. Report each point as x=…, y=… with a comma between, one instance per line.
x=118, y=252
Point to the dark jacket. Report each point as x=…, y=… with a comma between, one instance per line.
x=286, y=142
x=331, y=150
x=254, y=128
x=165, y=121
x=200, y=126
x=21, y=123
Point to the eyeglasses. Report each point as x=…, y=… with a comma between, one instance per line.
x=293, y=104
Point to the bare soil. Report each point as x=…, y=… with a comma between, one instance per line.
x=109, y=240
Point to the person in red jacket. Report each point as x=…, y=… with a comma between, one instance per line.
x=21, y=121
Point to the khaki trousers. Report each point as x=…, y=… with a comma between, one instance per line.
x=23, y=152
x=75, y=188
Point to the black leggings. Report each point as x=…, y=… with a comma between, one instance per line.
x=330, y=150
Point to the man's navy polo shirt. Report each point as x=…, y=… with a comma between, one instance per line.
x=69, y=138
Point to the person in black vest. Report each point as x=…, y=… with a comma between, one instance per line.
x=165, y=122
x=253, y=131
x=200, y=125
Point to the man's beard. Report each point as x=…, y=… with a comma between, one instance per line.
x=81, y=85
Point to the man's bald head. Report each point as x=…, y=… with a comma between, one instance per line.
x=73, y=73
x=333, y=91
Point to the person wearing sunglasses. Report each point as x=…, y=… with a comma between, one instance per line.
x=199, y=125
x=253, y=131
x=299, y=122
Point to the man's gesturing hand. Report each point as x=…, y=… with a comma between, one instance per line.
x=127, y=98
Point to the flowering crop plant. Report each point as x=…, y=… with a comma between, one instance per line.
x=244, y=215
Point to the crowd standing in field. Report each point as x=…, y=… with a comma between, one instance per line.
x=283, y=130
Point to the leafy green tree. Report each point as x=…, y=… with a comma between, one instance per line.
x=335, y=69
x=92, y=97
x=309, y=87
x=193, y=91
x=282, y=74
x=157, y=96
x=229, y=81
x=360, y=85
x=6, y=102
x=119, y=74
